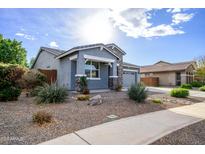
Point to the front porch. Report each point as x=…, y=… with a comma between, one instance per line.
x=101, y=72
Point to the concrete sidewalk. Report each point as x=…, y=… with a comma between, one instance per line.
x=141, y=129
x=194, y=93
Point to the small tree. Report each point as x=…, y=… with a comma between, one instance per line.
x=11, y=51
x=84, y=85
x=200, y=72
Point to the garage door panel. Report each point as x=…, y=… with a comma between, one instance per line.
x=128, y=78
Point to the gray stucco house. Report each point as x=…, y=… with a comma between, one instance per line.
x=101, y=63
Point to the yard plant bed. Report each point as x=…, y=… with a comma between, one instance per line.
x=190, y=135
x=16, y=124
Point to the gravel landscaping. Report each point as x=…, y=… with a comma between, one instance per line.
x=16, y=124
x=190, y=135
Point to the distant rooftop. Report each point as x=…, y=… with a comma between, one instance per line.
x=163, y=66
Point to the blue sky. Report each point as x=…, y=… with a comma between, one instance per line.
x=146, y=35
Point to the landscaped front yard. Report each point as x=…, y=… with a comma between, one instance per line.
x=190, y=135
x=17, y=127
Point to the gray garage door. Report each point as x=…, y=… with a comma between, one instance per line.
x=128, y=78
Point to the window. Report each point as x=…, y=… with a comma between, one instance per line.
x=92, y=69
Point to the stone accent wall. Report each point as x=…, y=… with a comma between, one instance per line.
x=120, y=67
x=77, y=83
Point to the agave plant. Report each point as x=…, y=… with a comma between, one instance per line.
x=137, y=92
x=51, y=94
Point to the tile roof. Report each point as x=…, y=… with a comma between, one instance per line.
x=166, y=68
x=54, y=51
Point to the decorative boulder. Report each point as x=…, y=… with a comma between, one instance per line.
x=95, y=100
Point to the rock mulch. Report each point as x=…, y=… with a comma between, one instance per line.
x=190, y=135
x=16, y=124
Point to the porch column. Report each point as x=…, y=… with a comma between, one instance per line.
x=113, y=79
x=80, y=71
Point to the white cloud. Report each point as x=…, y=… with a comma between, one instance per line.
x=53, y=44
x=181, y=17
x=175, y=10
x=135, y=23
x=26, y=36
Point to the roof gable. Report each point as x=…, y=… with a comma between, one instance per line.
x=52, y=51
x=112, y=45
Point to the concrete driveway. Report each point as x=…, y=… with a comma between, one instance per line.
x=194, y=93
x=140, y=129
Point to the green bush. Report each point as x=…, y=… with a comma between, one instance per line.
x=186, y=86
x=10, y=74
x=197, y=84
x=51, y=94
x=179, y=92
x=9, y=93
x=42, y=117
x=157, y=101
x=202, y=88
x=137, y=92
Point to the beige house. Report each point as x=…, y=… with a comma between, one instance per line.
x=170, y=74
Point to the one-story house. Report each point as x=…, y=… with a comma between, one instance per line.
x=102, y=64
x=170, y=74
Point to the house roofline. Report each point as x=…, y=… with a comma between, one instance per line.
x=72, y=50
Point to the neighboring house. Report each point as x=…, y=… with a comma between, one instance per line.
x=102, y=65
x=170, y=74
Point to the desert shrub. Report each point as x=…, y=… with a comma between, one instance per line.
x=83, y=97
x=10, y=74
x=137, y=92
x=51, y=94
x=118, y=87
x=42, y=117
x=202, y=88
x=34, y=92
x=179, y=92
x=157, y=101
x=197, y=84
x=186, y=86
x=32, y=78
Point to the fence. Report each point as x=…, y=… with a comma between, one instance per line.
x=50, y=74
x=150, y=81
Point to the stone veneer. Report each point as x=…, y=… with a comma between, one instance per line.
x=120, y=67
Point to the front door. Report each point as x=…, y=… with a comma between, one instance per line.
x=178, y=78
x=109, y=69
